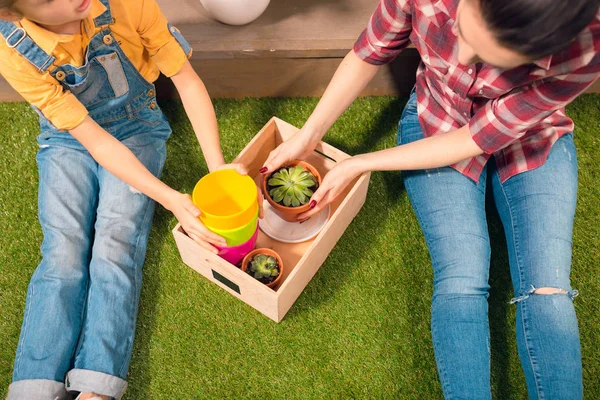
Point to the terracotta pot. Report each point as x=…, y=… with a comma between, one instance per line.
x=289, y=213
x=267, y=252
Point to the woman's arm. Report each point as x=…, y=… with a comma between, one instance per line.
x=351, y=77
x=432, y=152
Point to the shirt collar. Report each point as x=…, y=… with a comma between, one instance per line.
x=447, y=9
x=48, y=40
x=443, y=10
x=544, y=62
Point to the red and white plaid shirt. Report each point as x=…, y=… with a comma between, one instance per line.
x=515, y=114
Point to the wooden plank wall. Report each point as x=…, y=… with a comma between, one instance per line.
x=292, y=50
x=283, y=77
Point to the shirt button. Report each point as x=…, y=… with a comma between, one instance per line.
x=470, y=71
x=480, y=91
x=151, y=93
x=426, y=57
x=107, y=40
x=153, y=105
x=465, y=114
x=60, y=76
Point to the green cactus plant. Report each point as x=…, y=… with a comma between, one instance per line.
x=291, y=186
x=264, y=267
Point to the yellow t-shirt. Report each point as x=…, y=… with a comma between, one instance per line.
x=142, y=31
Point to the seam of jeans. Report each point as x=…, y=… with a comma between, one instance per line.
x=83, y=315
x=442, y=371
x=26, y=323
x=82, y=334
x=136, y=283
x=446, y=388
x=523, y=306
x=79, y=344
x=147, y=215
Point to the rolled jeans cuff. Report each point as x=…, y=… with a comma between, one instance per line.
x=83, y=380
x=37, y=389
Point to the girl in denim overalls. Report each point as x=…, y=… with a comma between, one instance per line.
x=96, y=191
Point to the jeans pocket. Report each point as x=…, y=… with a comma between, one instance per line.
x=115, y=73
x=410, y=109
x=409, y=128
x=102, y=79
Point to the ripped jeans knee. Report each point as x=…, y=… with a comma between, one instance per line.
x=544, y=291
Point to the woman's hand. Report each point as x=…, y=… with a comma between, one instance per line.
x=298, y=147
x=334, y=183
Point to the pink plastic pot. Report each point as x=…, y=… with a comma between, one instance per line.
x=235, y=254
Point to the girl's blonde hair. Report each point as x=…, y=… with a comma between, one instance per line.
x=7, y=3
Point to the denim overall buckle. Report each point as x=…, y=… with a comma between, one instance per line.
x=12, y=46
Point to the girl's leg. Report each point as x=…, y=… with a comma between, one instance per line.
x=119, y=249
x=56, y=296
x=537, y=209
x=451, y=211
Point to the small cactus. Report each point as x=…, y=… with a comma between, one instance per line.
x=264, y=267
x=291, y=186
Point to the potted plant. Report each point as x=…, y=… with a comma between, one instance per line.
x=265, y=265
x=290, y=188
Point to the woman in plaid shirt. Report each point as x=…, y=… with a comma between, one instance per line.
x=494, y=80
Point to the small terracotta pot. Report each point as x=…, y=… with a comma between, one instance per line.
x=289, y=213
x=267, y=252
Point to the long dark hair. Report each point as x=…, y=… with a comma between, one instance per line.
x=537, y=28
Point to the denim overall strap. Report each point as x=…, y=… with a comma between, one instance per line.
x=106, y=18
x=18, y=39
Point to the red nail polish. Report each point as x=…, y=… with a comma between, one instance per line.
x=263, y=170
x=313, y=204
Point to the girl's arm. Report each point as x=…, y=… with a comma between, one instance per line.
x=201, y=113
x=116, y=158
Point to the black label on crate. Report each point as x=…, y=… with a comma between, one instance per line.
x=226, y=281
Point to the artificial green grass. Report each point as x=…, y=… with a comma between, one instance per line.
x=361, y=327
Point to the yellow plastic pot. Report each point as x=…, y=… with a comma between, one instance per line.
x=235, y=237
x=226, y=199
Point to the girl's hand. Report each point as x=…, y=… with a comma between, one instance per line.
x=332, y=186
x=298, y=147
x=187, y=214
x=242, y=170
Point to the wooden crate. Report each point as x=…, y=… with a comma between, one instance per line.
x=301, y=260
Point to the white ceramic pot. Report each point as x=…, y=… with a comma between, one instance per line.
x=235, y=12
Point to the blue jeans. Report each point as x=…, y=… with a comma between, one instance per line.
x=79, y=323
x=82, y=300
x=537, y=209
